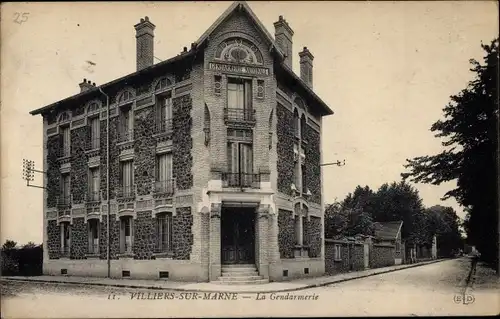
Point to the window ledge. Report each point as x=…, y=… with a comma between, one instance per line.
x=92, y=256
x=337, y=259
x=125, y=255
x=166, y=255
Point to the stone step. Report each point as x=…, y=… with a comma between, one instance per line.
x=239, y=278
x=246, y=282
x=239, y=273
x=238, y=266
x=238, y=270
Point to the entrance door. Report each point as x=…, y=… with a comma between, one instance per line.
x=237, y=236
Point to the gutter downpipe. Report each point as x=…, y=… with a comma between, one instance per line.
x=107, y=184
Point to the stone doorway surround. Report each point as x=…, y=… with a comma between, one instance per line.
x=261, y=235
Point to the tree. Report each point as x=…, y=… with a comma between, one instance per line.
x=336, y=220
x=469, y=157
x=30, y=244
x=344, y=221
x=9, y=244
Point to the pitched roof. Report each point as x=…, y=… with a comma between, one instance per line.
x=388, y=230
x=237, y=5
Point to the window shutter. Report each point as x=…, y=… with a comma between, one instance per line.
x=122, y=235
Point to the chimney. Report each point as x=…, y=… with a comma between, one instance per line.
x=283, y=36
x=306, y=67
x=86, y=85
x=144, y=33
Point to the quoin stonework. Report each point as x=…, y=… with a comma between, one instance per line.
x=214, y=163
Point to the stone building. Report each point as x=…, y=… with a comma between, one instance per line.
x=214, y=163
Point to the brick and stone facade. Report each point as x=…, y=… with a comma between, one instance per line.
x=182, y=160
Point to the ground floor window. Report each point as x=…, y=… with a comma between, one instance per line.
x=65, y=238
x=126, y=234
x=93, y=236
x=164, y=232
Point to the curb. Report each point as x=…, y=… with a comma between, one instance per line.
x=333, y=281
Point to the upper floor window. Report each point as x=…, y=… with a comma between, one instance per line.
x=162, y=83
x=164, y=113
x=94, y=184
x=239, y=100
x=126, y=178
x=164, y=181
x=95, y=132
x=65, y=189
x=126, y=124
x=238, y=50
x=93, y=107
x=64, y=117
x=125, y=96
x=66, y=141
x=296, y=123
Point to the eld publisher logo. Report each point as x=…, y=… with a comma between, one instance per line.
x=464, y=299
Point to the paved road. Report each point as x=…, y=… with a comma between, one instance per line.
x=425, y=290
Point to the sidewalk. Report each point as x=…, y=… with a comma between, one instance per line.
x=292, y=285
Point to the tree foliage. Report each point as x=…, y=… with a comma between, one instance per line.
x=470, y=139
x=9, y=244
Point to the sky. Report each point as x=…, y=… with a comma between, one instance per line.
x=387, y=69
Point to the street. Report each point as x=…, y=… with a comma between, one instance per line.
x=435, y=289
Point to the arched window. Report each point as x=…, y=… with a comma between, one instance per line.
x=238, y=50
x=303, y=127
x=162, y=83
x=296, y=123
x=93, y=107
x=125, y=96
x=299, y=103
x=64, y=117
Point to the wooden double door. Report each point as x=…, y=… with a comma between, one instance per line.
x=238, y=236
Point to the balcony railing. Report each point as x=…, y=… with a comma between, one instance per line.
x=241, y=180
x=93, y=196
x=125, y=135
x=125, y=192
x=163, y=126
x=239, y=115
x=164, y=187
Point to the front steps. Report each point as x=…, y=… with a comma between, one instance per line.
x=240, y=274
